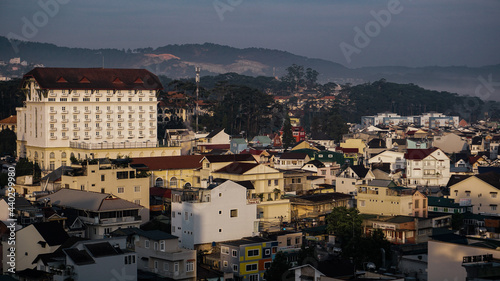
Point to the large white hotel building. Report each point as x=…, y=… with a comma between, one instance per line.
x=88, y=113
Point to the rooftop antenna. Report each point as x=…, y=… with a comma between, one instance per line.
x=197, y=69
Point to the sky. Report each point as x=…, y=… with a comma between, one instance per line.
x=354, y=33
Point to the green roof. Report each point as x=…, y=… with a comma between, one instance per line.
x=324, y=156
x=434, y=201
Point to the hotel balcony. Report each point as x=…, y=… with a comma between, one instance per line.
x=98, y=137
x=131, y=119
x=131, y=128
x=98, y=94
x=141, y=111
x=109, y=128
x=65, y=137
x=142, y=128
x=109, y=94
x=87, y=111
x=53, y=121
x=109, y=119
x=86, y=129
x=131, y=111
x=120, y=119
x=87, y=120
x=53, y=138
x=121, y=128
x=98, y=128
x=141, y=119
x=119, y=94
x=98, y=120
x=76, y=129
x=120, y=111
x=110, y=221
x=109, y=136
x=76, y=120
x=141, y=95
x=65, y=120
x=65, y=129
x=109, y=111
x=64, y=111
x=76, y=137
x=152, y=110
x=98, y=111
x=114, y=145
x=53, y=112
x=76, y=111
x=76, y=94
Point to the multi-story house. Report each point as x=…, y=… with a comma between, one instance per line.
x=88, y=113
x=118, y=179
x=219, y=213
x=211, y=163
x=33, y=240
x=395, y=159
x=173, y=171
x=385, y=198
x=400, y=229
x=479, y=192
x=98, y=213
x=105, y=259
x=292, y=161
x=159, y=252
x=347, y=180
x=429, y=167
x=248, y=258
x=312, y=209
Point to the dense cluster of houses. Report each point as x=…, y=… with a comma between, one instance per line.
x=209, y=206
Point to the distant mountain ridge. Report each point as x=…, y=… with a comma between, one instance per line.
x=178, y=61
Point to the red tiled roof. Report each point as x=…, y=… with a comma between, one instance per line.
x=237, y=168
x=9, y=120
x=170, y=162
x=252, y=151
x=215, y=146
x=94, y=78
x=347, y=150
x=418, y=154
x=230, y=158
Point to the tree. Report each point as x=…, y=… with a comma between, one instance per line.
x=7, y=142
x=25, y=167
x=344, y=223
x=287, y=138
x=278, y=269
x=311, y=77
x=294, y=76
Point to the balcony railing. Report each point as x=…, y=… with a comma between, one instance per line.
x=112, y=145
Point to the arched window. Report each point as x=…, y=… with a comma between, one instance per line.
x=173, y=182
x=52, y=155
x=159, y=182
x=36, y=155
x=187, y=185
x=63, y=155
x=72, y=155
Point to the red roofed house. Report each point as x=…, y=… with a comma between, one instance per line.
x=173, y=171
x=427, y=167
x=9, y=123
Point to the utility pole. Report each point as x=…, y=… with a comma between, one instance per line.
x=197, y=68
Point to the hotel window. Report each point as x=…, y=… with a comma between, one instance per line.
x=121, y=189
x=74, y=99
x=96, y=99
x=493, y=207
x=108, y=99
x=86, y=99
x=467, y=193
x=129, y=99
x=234, y=253
x=493, y=194
x=235, y=267
x=137, y=189
x=224, y=250
x=119, y=99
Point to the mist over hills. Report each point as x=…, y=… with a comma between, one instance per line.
x=178, y=61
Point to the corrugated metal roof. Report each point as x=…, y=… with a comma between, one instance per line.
x=84, y=200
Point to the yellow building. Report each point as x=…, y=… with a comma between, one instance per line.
x=385, y=198
x=354, y=143
x=173, y=171
x=117, y=179
x=478, y=191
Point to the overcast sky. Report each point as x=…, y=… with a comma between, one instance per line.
x=418, y=33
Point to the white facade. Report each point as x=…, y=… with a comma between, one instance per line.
x=396, y=159
x=221, y=214
x=432, y=170
x=97, y=115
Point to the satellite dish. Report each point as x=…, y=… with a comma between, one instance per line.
x=370, y=266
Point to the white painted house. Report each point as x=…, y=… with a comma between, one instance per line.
x=427, y=167
x=396, y=159
x=221, y=213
